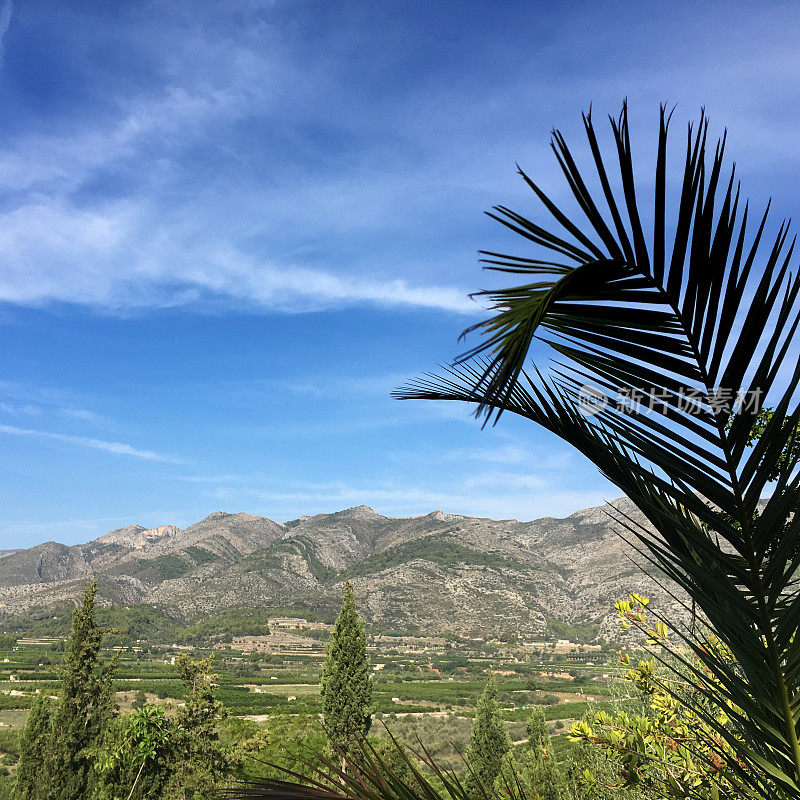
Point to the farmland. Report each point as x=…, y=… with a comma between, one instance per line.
x=422, y=689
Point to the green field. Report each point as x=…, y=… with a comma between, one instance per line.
x=424, y=697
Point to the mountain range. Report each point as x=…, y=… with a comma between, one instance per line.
x=440, y=572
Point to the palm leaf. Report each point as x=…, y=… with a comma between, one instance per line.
x=366, y=775
x=709, y=317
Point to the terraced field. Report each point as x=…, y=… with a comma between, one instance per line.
x=423, y=696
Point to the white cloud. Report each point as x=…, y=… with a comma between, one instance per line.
x=117, y=448
x=228, y=478
x=503, y=454
x=104, y=258
x=180, y=236
x=30, y=400
x=295, y=228
x=296, y=288
x=505, y=480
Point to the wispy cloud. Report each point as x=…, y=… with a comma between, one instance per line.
x=117, y=448
x=496, y=495
x=63, y=243
x=56, y=253
x=18, y=410
x=250, y=180
x=82, y=414
x=503, y=454
x=321, y=386
x=6, y=9
x=217, y=479
x=30, y=400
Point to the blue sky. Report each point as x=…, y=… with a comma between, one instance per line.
x=227, y=230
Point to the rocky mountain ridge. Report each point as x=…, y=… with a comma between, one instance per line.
x=433, y=573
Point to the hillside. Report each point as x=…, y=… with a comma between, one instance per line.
x=434, y=573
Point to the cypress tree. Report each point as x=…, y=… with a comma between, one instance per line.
x=539, y=771
x=346, y=684
x=34, y=742
x=488, y=744
x=84, y=709
x=538, y=734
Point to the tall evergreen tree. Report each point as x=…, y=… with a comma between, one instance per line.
x=539, y=771
x=538, y=734
x=84, y=709
x=34, y=742
x=346, y=683
x=488, y=745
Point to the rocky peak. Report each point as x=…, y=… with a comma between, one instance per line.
x=137, y=537
x=121, y=535
x=359, y=512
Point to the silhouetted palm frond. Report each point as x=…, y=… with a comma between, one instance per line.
x=703, y=331
x=368, y=775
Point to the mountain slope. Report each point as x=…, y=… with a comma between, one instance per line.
x=433, y=573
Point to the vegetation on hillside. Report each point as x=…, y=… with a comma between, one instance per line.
x=434, y=549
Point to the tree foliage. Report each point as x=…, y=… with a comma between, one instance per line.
x=489, y=743
x=147, y=754
x=59, y=745
x=537, y=732
x=346, y=686
x=135, y=760
x=84, y=708
x=202, y=763
x=33, y=746
x=668, y=750
x=533, y=772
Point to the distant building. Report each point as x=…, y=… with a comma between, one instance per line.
x=295, y=623
x=408, y=645
x=562, y=675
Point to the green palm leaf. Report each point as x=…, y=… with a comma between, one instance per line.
x=707, y=317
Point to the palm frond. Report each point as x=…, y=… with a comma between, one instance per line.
x=688, y=327
x=365, y=774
